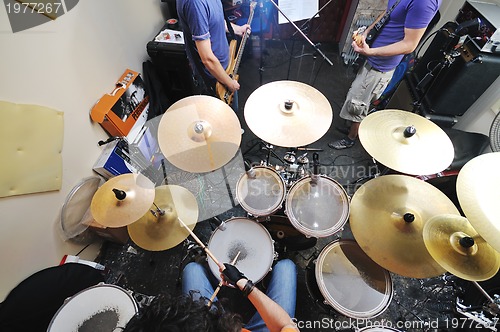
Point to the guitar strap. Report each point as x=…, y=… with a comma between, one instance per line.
x=384, y=19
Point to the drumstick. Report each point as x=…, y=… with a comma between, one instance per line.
x=220, y=283
x=209, y=253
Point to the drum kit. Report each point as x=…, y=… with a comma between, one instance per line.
x=400, y=224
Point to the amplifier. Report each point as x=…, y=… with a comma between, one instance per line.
x=487, y=37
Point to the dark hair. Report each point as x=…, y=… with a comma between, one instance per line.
x=184, y=314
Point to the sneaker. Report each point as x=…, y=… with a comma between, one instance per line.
x=344, y=143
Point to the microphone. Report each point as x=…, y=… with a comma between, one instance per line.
x=467, y=24
x=315, y=174
x=249, y=169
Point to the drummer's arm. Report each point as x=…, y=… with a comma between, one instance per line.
x=275, y=317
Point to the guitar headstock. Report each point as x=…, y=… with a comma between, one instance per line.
x=253, y=4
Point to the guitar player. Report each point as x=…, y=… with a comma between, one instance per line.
x=204, y=26
x=397, y=32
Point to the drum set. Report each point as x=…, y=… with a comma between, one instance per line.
x=400, y=224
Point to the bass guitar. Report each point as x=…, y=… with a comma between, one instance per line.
x=232, y=69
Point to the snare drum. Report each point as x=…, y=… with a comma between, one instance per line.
x=98, y=308
x=351, y=282
x=251, y=239
x=262, y=194
x=317, y=208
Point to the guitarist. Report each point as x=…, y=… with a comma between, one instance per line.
x=204, y=26
x=405, y=24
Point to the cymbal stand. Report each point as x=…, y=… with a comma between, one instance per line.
x=270, y=151
x=493, y=308
x=315, y=46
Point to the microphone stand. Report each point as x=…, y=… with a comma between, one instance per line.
x=315, y=46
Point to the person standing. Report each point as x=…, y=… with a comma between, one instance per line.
x=204, y=26
x=406, y=24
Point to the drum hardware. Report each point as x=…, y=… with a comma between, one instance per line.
x=296, y=114
x=303, y=159
x=122, y=200
x=287, y=236
x=458, y=248
x=269, y=148
x=477, y=191
x=199, y=134
x=406, y=142
x=159, y=228
x=387, y=218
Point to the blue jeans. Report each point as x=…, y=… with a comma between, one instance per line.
x=282, y=288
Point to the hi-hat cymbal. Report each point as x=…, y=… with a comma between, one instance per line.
x=199, y=134
x=288, y=113
x=478, y=189
x=387, y=217
x=459, y=249
x=406, y=142
x=122, y=200
x=159, y=231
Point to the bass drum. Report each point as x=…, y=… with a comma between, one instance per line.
x=350, y=282
x=248, y=237
x=317, y=208
x=97, y=308
x=262, y=192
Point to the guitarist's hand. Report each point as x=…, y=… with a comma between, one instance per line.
x=363, y=48
x=234, y=86
x=241, y=29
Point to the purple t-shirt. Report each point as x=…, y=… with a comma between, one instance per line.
x=204, y=19
x=412, y=14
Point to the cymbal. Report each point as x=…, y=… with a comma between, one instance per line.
x=478, y=189
x=457, y=247
x=288, y=113
x=199, y=134
x=387, y=217
x=122, y=200
x=406, y=142
x=161, y=232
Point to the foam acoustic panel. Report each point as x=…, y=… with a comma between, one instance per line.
x=31, y=139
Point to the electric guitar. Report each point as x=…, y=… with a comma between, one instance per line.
x=232, y=69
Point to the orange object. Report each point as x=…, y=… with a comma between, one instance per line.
x=118, y=110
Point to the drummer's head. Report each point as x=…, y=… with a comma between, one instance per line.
x=184, y=313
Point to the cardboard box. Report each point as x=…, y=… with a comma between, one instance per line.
x=118, y=110
x=114, y=160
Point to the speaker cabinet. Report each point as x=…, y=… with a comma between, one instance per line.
x=453, y=86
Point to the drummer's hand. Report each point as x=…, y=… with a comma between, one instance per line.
x=231, y=275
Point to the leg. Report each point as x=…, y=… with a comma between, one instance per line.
x=282, y=290
x=196, y=278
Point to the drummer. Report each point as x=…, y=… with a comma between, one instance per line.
x=190, y=312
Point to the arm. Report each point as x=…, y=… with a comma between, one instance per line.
x=213, y=65
x=275, y=317
x=405, y=46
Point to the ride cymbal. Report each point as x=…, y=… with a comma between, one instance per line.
x=199, y=134
x=160, y=229
x=288, y=113
x=459, y=249
x=387, y=217
x=406, y=142
x=122, y=200
x=478, y=189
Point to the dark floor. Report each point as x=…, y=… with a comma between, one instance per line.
x=412, y=301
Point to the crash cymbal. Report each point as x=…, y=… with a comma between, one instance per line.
x=122, y=200
x=478, y=189
x=157, y=231
x=459, y=249
x=387, y=217
x=406, y=142
x=288, y=113
x=199, y=134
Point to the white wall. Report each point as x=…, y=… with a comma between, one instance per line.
x=67, y=64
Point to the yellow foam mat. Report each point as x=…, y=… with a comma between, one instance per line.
x=31, y=139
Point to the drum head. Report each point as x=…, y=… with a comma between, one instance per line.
x=98, y=308
x=351, y=282
x=317, y=209
x=253, y=242
x=263, y=194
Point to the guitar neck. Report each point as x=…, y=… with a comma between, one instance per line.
x=244, y=39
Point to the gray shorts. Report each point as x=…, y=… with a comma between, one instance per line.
x=366, y=88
